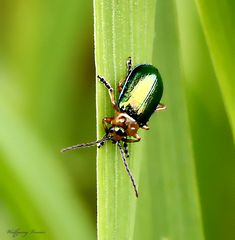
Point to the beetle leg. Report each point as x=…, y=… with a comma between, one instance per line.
x=145, y=127
x=105, y=121
x=129, y=65
x=120, y=85
x=160, y=107
x=137, y=139
x=129, y=68
x=110, y=89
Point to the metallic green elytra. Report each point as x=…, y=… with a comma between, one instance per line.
x=141, y=93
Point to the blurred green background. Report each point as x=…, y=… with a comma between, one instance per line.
x=47, y=102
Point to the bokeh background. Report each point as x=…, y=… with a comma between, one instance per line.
x=47, y=95
x=47, y=102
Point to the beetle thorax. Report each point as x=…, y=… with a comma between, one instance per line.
x=123, y=126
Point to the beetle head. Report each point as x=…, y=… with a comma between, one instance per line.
x=116, y=133
x=123, y=125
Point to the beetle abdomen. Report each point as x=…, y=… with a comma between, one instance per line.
x=141, y=93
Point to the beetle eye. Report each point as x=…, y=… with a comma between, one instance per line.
x=111, y=130
x=120, y=132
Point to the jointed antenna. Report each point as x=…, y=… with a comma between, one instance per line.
x=83, y=145
x=127, y=168
x=126, y=149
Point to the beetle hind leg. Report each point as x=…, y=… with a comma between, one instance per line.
x=160, y=107
x=145, y=127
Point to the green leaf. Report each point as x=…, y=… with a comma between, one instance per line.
x=217, y=20
x=122, y=29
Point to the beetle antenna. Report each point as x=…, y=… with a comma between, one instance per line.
x=127, y=169
x=125, y=146
x=84, y=145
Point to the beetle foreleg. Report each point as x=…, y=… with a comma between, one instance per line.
x=110, y=89
x=160, y=107
x=105, y=121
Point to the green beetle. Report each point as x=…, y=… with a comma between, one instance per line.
x=140, y=95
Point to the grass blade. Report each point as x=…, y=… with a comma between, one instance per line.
x=122, y=29
x=170, y=208
x=209, y=124
x=218, y=25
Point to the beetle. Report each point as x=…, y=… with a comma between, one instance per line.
x=140, y=95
